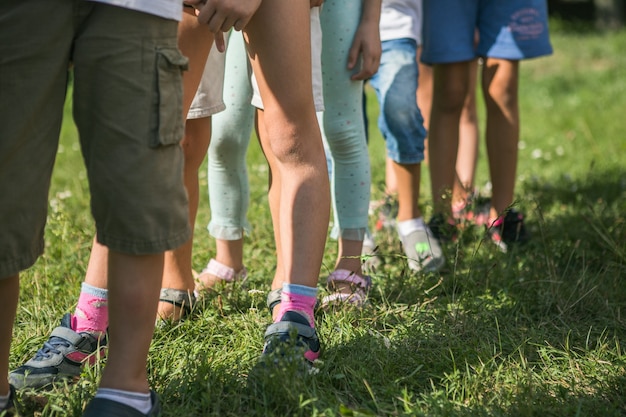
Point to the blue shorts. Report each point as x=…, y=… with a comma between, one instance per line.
x=508, y=29
x=400, y=120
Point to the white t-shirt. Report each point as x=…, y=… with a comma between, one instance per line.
x=401, y=19
x=168, y=9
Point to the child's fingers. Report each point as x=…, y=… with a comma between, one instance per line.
x=220, y=44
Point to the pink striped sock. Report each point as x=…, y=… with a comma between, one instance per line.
x=92, y=312
x=301, y=303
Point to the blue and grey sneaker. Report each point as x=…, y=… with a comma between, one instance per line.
x=292, y=335
x=60, y=358
x=443, y=229
x=103, y=407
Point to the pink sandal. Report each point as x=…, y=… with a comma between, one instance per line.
x=222, y=273
x=359, y=287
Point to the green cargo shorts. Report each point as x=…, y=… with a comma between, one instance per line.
x=127, y=103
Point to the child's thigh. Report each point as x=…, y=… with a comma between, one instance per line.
x=281, y=54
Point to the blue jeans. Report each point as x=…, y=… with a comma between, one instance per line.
x=400, y=121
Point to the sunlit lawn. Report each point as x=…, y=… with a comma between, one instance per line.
x=535, y=332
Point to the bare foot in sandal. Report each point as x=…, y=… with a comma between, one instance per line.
x=217, y=273
x=346, y=287
x=175, y=305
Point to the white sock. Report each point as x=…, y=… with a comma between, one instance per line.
x=406, y=227
x=137, y=400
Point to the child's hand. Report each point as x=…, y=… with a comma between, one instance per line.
x=222, y=15
x=366, y=44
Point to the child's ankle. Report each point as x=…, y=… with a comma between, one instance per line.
x=298, y=298
x=92, y=312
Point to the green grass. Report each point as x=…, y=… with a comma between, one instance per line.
x=535, y=332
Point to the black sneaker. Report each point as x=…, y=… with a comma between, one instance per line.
x=61, y=357
x=508, y=230
x=387, y=212
x=443, y=230
x=104, y=407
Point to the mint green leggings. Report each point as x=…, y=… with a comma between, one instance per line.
x=344, y=127
x=231, y=129
x=343, y=132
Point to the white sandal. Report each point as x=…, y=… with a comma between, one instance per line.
x=359, y=287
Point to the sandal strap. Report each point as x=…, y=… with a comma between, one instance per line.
x=344, y=275
x=179, y=298
x=274, y=298
x=285, y=327
x=356, y=298
x=225, y=272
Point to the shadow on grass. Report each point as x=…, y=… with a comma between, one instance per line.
x=535, y=331
x=474, y=363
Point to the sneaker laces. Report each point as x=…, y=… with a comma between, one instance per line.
x=50, y=348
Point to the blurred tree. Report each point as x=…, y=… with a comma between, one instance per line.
x=607, y=14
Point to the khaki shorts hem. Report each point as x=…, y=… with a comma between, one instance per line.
x=143, y=247
x=11, y=267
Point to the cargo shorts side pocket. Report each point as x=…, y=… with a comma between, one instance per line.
x=169, y=125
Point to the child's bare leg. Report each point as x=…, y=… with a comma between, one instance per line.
x=349, y=255
x=425, y=97
x=9, y=295
x=391, y=183
x=97, y=268
x=134, y=283
x=273, y=195
x=467, y=154
x=293, y=133
x=408, y=180
x=500, y=87
x=177, y=273
x=194, y=42
x=230, y=252
x=450, y=89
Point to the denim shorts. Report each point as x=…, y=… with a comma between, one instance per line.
x=400, y=120
x=508, y=29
